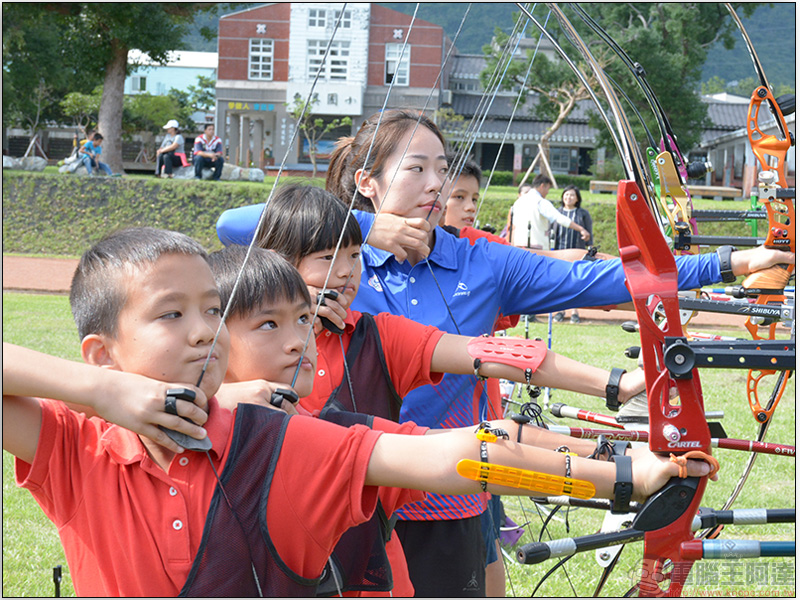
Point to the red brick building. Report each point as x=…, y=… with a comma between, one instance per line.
x=270, y=54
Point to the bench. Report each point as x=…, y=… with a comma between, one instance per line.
x=703, y=191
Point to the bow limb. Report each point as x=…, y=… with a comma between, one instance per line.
x=651, y=271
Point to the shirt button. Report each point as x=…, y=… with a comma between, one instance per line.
x=177, y=524
x=327, y=334
x=183, y=461
x=412, y=279
x=414, y=302
x=173, y=491
x=321, y=372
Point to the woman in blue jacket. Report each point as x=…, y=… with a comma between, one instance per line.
x=459, y=288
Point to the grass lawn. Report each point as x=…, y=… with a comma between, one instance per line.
x=31, y=547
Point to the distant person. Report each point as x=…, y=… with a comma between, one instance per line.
x=90, y=155
x=531, y=216
x=565, y=237
x=208, y=153
x=166, y=155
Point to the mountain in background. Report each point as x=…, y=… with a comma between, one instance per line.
x=771, y=29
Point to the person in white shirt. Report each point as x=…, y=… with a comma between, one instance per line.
x=530, y=217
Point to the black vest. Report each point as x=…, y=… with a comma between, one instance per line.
x=359, y=559
x=372, y=386
x=236, y=547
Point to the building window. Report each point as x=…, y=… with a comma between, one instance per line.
x=319, y=17
x=260, y=59
x=336, y=67
x=560, y=159
x=316, y=17
x=396, y=69
x=138, y=84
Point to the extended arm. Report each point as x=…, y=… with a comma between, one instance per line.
x=451, y=355
x=131, y=401
x=433, y=466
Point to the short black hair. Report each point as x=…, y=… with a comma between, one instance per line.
x=303, y=219
x=97, y=294
x=266, y=279
x=466, y=167
x=207, y=125
x=541, y=179
x=97, y=137
x=577, y=193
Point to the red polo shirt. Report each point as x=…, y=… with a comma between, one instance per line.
x=407, y=345
x=131, y=529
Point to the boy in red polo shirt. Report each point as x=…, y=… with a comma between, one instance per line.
x=137, y=516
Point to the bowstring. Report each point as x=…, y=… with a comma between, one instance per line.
x=263, y=214
x=511, y=119
x=238, y=279
x=366, y=160
x=320, y=298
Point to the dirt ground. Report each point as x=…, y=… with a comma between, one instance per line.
x=53, y=276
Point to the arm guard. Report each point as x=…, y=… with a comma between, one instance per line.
x=523, y=354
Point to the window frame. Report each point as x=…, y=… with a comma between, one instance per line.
x=261, y=55
x=336, y=68
x=400, y=64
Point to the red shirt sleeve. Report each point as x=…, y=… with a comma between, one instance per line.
x=318, y=490
x=473, y=235
x=408, y=347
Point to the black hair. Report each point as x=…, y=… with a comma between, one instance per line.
x=466, y=167
x=97, y=137
x=207, y=125
x=541, y=179
x=374, y=145
x=267, y=278
x=577, y=193
x=98, y=294
x=303, y=219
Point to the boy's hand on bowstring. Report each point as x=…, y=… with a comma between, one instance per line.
x=138, y=404
x=332, y=309
x=652, y=471
x=399, y=235
x=257, y=391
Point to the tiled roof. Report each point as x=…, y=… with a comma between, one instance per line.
x=726, y=116
x=503, y=106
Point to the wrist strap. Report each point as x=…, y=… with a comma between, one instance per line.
x=612, y=389
x=725, y=266
x=623, y=487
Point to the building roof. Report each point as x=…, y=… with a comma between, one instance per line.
x=503, y=106
x=726, y=115
x=178, y=58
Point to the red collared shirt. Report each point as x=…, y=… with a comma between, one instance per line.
x=407, y=345
x=131, y=529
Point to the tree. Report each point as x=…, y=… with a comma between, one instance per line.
x=83, y=108
x=715, y=85
x=36, y=70
x=553, y=81
x=313, y=127
x=669, y=40
x=203, y=96
x=94, y=39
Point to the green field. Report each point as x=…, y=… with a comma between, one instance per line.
x=31, y=547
